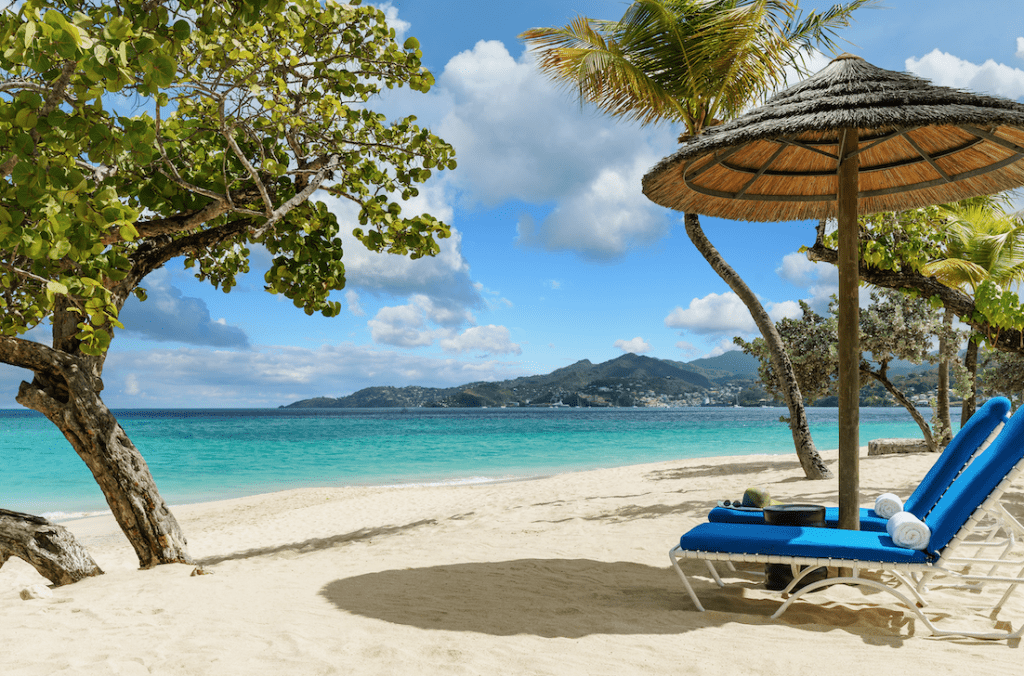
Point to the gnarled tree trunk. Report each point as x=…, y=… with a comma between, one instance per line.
x=813, y=466
x=48, y=547
x=66, y=389
x=926, y=431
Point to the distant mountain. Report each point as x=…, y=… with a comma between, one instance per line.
x=625, y=381
x=629, y=380
x=733, y=364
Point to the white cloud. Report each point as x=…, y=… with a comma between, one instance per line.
x=131, y=385
x=724, y=314
x=603, y=219
x=990, y=77
x=518, y=137
x=488, y=339
x=198, y=377
x=712, y=314
x=689, y=350
x=725, y=345
x=167, y=315
x=402, y=326
x=820, y=279
x=353, y=304
x=635, y=345
x=1020, y=48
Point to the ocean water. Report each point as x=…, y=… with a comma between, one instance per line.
x=200, y=455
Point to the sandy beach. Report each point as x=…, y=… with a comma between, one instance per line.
x=563, y=575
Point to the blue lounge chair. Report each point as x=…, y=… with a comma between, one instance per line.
x=970, y=498
x=983, y=426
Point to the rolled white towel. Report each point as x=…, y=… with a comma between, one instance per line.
x=908, y=531
x=888, y=504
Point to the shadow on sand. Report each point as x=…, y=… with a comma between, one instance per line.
x=573, y=598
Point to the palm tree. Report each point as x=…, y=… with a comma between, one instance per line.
x=696, y=63
x=983, y=245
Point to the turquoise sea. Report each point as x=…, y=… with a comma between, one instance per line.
x=200, y=455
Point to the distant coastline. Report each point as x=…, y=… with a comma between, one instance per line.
x=628, y=381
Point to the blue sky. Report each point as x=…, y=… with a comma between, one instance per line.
x=556, y=255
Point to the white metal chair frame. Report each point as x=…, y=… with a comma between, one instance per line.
x=914, y=576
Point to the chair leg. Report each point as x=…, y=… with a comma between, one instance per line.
x=682, y=576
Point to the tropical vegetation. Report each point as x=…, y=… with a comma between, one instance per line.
x=696, y=63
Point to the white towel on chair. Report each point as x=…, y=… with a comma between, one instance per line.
x=888, y=504
x=908, y=531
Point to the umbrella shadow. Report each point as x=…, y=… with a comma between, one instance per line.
x=574, y=598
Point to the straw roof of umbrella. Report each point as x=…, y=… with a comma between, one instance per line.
x=919, y=144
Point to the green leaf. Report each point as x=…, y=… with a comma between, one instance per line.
x=163, y=70
x=182, y=30
x=26, y=118
x=55, y=287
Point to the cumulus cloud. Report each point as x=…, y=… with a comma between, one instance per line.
x=603, y=219
x=635, y=345
x=989, y=78
x=821, y=280
x=714, y=313
x=402, y=326
x=424, y=321
x=725, y=345
x=519, y=137
x=488, y=339
x=724, y=314
x=167, y=315
x=198, y=377
x=352, y=298
x=689, y=350
x=1020, y=48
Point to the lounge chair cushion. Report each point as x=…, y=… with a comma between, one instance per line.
x=955, y=455
x=975, y=484
x=820, y=543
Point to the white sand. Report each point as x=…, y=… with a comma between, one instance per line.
x=563, y=575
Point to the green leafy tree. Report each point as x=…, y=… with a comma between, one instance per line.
x=241, y=112
x=696, y=63
x=895, y=326
x=1003, y=373
x=982, y=244
x=893, y=249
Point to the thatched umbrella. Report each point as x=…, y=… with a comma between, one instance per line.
x=853, y=139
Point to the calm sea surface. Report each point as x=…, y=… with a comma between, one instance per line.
x=199, y=455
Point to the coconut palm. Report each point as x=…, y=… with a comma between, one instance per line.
x=695, y=63
x=983, y=245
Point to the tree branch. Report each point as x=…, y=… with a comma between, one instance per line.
x=35, y=357
x=958, y=302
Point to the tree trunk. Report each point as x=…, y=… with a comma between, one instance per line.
x=909, y=405
x=813, y=466
x=945, y=431
x=971, y=364
x=50, y=548
x=72, y=403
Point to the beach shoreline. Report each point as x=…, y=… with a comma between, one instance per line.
x=564, y=574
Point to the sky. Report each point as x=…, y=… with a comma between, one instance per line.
x=555, y=254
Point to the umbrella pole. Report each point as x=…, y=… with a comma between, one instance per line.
x=849, y=334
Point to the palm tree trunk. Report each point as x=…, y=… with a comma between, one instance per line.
x=971, y=364
x=813, y=466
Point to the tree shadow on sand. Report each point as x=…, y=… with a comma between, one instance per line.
x=573, y=598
